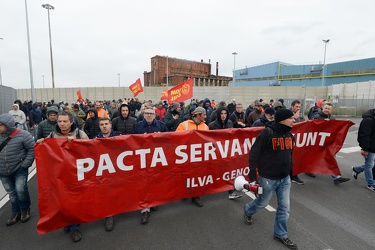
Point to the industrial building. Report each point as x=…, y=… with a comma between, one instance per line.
x=285, y=74
x=169, y=71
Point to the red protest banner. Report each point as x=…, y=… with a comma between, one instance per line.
x=181, y=92
x=132, y=172
x=136, y=87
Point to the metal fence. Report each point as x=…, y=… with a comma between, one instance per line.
x=7, y=97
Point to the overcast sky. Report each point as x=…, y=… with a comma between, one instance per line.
x=95, y=40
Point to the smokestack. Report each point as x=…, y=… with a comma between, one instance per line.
x=217, y=68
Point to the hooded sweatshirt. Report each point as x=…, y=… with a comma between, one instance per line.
x=18, y=115
x=91, y=127
x=273, y=160
x=366, y=131
x=19, y=152
x=218, y=123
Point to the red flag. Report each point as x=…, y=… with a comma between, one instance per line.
x=136, y=87
x=164, y=95
x=80, y=98
x=181, y=92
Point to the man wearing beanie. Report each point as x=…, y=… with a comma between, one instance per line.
x=271, y=155
x=47, y=126
x=16, y=156
x=197, y=122
x=266, y=117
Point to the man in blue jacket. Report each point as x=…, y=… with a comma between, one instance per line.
x=149, y=125
x=15, y=159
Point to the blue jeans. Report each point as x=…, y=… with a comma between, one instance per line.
x=35, y=133
x=282, y=189
x=17, y=189
x=74, y=227
x=367, y=168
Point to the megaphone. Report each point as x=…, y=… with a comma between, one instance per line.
x=240, y=183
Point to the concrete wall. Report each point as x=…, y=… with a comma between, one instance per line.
x=244, y=95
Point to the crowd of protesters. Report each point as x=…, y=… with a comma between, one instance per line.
x=102, y=119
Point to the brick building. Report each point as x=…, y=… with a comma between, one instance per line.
x=179, y=70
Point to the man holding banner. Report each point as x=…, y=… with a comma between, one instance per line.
x=196, y=123
x=271, y=155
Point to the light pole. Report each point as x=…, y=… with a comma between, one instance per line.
x=29, y=49
x=1, y=79
x=167, y=73
x=324, y=60
x=50, y=7
x=118, y=79
x=234, y=67
x=43, y=80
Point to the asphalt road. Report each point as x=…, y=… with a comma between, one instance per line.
x=323, y=216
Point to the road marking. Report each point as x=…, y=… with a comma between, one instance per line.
x=5, y=199
x=251, y=195
x=350, y=150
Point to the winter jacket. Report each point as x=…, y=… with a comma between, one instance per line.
x=22, y=107
x=124, y=125
x=271, y=152
x=91, y=127
x=208, y=109
x=321, y=116
x=19, y=152
x=80, y=115
x=218, y=123
x=191, y=125
x=47, y=126
x=161, y=112
x=143, y=127
x=238, y=117
x=366, y=131
x=262, y=121
x=170, y=122
x=112, y=134
x=74, y=132
x=253, y=116
x=35, y=116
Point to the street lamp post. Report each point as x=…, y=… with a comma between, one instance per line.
x=1, y=79
x=234, y=67
x=29, y=49
x=119, y=79
x=324, y=60
x=50, y=7
x=43, y=81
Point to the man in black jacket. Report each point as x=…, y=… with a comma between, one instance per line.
x=124, y=123
x=91, y=127
x=222, y=122
x=271, y=155
x=366, y=140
